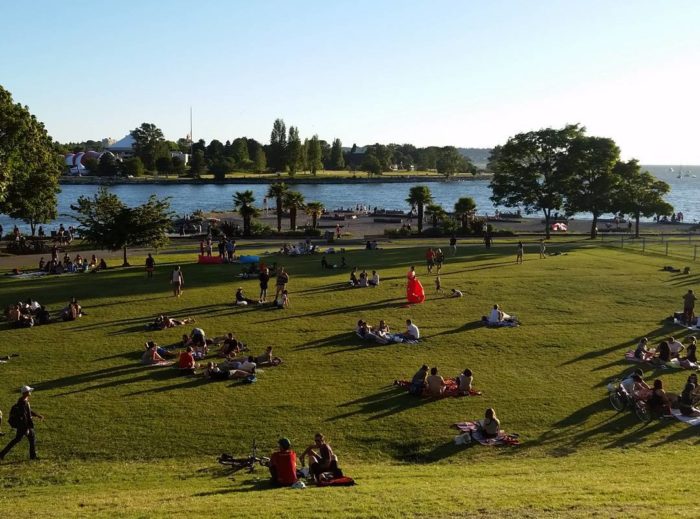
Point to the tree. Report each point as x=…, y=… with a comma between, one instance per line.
x=92, y=165
x=133, y=167
x=314, y=155
x=278, y=191
x=164, y=165
x=178, y=166
x=214, y=152
x=465, y=208
x=105, y=221
x=278, y=146
x=419, y=197
x=243, y=203
x=337, y=161
x=197, y=164
x=372, y=165
x=293, y=201
x=31, y=197
x=436, y=213
x=239, y=150
x=293, y=154
x=527, y=170
x=315, y=210
x=108, y=166
x=149, y=144
x=640, y=193
x=220, y=166
x=26, y=149
x=450, y=161
x=260, y=161
x=592, y=179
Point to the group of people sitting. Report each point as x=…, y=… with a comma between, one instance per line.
x=382, y=334
x=498, y=317
x=323, y=463
x=26, y=315
x=362, y=280
x=428, y=382
x=79, y=264
x=371, y=245
x=305, y=247
x=669, y=352
x=656, y=397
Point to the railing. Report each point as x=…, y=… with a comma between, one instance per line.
x=683, y=246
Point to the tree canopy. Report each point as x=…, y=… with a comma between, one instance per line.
x=419, y=197
x=243, y=203
x=105, y=221
x=149, y=144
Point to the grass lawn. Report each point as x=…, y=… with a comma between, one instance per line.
x=123, y=440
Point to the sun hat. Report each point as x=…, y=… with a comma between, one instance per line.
x=26, y=389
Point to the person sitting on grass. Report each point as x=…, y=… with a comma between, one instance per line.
x=675, y=347
x=186, y=363
x=364, y=330
x=151, y=355
x=663, y=353
x=642, y=352
x=242, y=300
x=230, y=348
x=498, y=317
x=464, y=382
x=436, y=384
x=160, y=350
x=321, y=461
x=374, y=282
x=412, y=332
x=283, y=465
x=685, y=401
x=73, y=311
x=353, y=278
x=691, y=358
x=363, y=281
x=456, y=293
x=658, y=401
x=267, y=359
x=383, y=330
x=283, y=302
x=490, y=426
x=635, y=386
x=419, y=382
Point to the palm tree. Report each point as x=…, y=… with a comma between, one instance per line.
x=419, y=196
x=315, y=210
x=278, y=191
x=293, y=201
x=243, y=203
x=436, y=213
x=465, y=208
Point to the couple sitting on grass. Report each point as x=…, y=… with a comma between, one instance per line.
x=498, y=317
x=323, y=463
x=382, y=334
x=668, y=352
x=433, y=385
x=363, y=280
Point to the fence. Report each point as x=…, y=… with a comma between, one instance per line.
x=682, y=246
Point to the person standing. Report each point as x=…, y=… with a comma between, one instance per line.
x=689, y=306
x=24, y=424
x=519, y=253
x=337, y=231
x=453, y=245
x=543, y=248
x=177, y=280
x=282, y=280
x=150, y=266
x=264, y=279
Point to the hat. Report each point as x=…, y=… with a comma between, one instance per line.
x=26, y=389
x=284, y=443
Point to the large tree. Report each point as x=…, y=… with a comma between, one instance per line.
x=337, y=162
x=436, y=213
x=592, y=178
x=293, y=201
x=419, y=197
x=465, y=208
x=105, y=221
x=260, y=161
x=243, y=203
x=108, y=165
x=149, y=144
x=278, y=191
x=528, y=173
x=315, y=210
x=278, y=146
x=639, y=193
x=450, y=162
x=313, y=155
x=27, y=154
x=197, y=164
x=294, y=151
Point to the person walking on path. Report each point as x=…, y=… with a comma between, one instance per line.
x=150, y=266
x=24, y=424
x=519, y=253
x=177, y=280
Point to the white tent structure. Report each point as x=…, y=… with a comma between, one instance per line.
x=123, y=147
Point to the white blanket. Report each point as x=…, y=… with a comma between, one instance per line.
x=690, y=420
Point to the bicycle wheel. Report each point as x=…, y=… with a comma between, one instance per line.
x=641, y=409
x=617, y=401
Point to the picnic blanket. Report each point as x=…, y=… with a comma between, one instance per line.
x=673, y=364
x=678, y=322
x=343, y=481
x=472, y=429
x=690, y=420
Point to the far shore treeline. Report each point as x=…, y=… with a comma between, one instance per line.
x=541, y=171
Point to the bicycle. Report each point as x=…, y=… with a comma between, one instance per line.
x=249, y=463
x=621, y=400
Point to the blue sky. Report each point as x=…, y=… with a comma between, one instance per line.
x=441, y=72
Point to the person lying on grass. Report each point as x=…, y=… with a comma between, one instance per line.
x=163, y=322
x=214, y=372
x=642, y=352
x=454, y=292
x=151, y=356
x=321, y=458
x=267, y=359
x=490, y=426
x=160, y=350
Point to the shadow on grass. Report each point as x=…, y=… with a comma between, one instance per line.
x=413, y=452
x=473, y=325
x=388, y=402
x=363, y=307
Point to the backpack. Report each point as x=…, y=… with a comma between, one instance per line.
x=16, y=418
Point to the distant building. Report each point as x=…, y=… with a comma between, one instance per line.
x=123, y=148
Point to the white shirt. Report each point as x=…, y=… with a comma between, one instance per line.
x=495, y=316
x=177, y=276
x=457, y=293
x=675, y=347
x=628, y=385
x=375, y=279
x=413, y=331
x=247, y=366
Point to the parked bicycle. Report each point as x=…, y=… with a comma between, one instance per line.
x=248, y=463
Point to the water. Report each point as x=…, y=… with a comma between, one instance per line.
x=186, y=198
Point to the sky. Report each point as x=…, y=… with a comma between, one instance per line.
x=441, y=72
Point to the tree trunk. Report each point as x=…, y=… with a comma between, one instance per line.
x=594, y=224
x=279, y=215
x=292, y=218
x=547, y=213
x=126, y=263
x=464, y=223
x=420, y=218
x=636, y=225
x=32, y=226
x=314, y=218
x=246, y=226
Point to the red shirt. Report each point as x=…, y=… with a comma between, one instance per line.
x=285, y=464
x=186, y=360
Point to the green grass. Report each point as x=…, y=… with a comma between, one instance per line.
x=124, y=440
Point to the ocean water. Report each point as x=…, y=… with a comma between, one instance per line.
x=186, y=198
